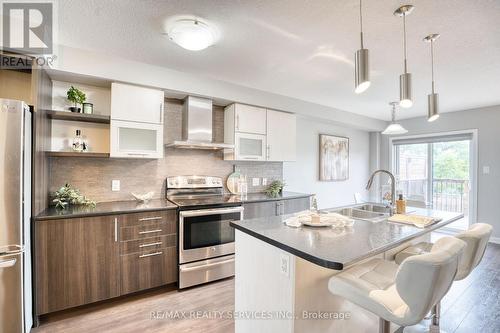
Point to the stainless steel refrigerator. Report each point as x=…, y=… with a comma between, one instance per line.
x=15, y=215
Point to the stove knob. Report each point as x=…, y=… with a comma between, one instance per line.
x=212, y=248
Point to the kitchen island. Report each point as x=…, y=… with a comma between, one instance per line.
x=282, y=272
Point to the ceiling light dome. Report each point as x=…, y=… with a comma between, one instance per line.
x=191, y=34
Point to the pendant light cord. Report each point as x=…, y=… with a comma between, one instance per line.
x=404, y=42
x=432, y=64
x=361, y=21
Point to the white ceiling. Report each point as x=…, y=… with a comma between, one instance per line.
x=305, y=49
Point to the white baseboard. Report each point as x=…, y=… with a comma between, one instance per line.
x=495, y=240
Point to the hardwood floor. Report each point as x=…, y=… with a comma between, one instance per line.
x=472, y=305
x=142, y=313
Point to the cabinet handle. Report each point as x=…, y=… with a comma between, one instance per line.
x=161, y=113
x=150, y=244
x=116, y=229
x=150, y=254
x=149, y=231
x=250, y=158
x=268, y=148
x=150, y=218
x=238, y=122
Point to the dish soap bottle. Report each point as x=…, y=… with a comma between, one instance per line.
x=400, y=205
x=78, y=142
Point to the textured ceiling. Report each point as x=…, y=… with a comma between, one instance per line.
x=305, y=49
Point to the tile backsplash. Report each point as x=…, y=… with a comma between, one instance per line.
x=93, y=176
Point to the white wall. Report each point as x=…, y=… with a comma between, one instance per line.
x=487, y=122
x=303, y=175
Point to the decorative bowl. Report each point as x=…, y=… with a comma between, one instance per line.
x=143, y=197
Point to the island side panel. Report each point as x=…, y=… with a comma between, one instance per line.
x=261, y=288
x=313, y=299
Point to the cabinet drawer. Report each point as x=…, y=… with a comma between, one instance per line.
x=148, y=270
x=146, y=231
x=128, y=220
x=148, y=244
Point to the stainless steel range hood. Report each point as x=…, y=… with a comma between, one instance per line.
x=197, y=126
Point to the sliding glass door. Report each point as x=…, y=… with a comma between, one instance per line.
x=435, y=172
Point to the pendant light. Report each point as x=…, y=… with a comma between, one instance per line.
x=405, y=99
x=362, y=64
x=432, y=98
x=394, y=127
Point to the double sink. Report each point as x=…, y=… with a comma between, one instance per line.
x=366, y=212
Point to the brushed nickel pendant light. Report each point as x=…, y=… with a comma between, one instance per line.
x=362, y=64
x=432, y=98
x=394, y=127
x=405, y=88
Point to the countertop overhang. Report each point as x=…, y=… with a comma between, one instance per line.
x=338, y=248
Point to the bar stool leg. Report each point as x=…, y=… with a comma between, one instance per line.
x=384, y=326
x=436, y=316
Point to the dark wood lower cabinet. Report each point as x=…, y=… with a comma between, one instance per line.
x=146, y=270
x=296, y=205
x=254, y=210
x=77, y=262
x=84, y=260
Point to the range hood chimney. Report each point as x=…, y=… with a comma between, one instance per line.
x=197, y=126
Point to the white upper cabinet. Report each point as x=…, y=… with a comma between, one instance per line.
x=259, y=134
x=136, y=140
x=136, y=129
x=281, y=136
x=249, y=119
x=137, y=104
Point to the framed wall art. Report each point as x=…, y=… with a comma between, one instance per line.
x=333, y=158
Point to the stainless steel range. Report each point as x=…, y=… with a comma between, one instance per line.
x=206, y=240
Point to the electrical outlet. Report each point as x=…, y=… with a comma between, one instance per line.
x=255, y=181
x=264, y=181
x=285, y=264
x=486, y=170
x=115, y=185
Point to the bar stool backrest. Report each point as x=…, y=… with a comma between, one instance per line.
x=424, y=279
x=476, y=238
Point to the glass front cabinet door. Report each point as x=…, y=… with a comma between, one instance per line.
x=136, y=140
x=251, y=147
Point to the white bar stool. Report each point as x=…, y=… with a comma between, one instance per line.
x=476, y=239
x=401, y=294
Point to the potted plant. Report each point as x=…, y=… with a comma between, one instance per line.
x=76, y=96
x=67, y=195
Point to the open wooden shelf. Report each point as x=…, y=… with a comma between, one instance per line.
x=75, y=154
x=74, y=116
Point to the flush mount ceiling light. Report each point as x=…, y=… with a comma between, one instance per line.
x=191, y=34
x=432, y=98
x=394, y=127
x=362, y=65
x=405, y=88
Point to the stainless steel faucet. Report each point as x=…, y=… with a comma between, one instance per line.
x=393, y=187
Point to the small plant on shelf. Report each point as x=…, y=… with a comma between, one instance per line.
x=76, y=96
x=275, y=188
x=67, y=195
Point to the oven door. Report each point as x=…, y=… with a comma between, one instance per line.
x=206, y=233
